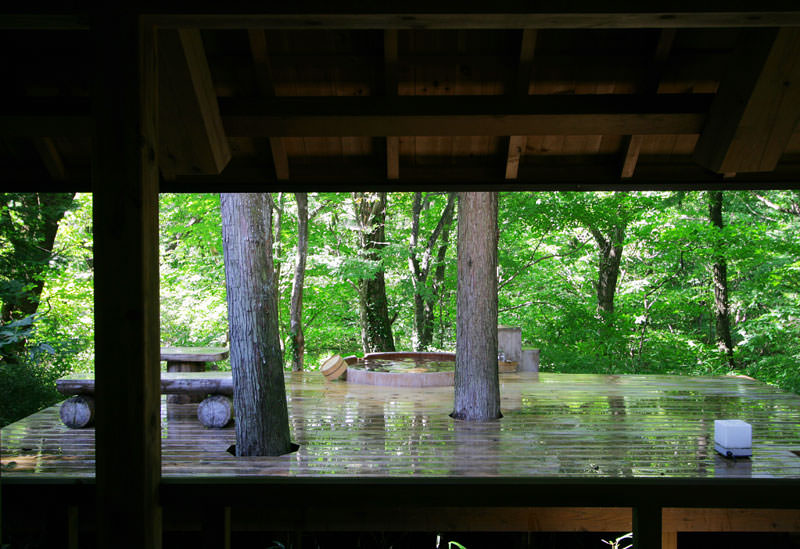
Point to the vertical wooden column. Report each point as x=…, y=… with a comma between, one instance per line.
x=125, y=187
x=647, y=527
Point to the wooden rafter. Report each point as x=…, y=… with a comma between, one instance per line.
x=51, y=158
x=390, y=73
x=634, y=142
x=757, y=107
x=468, y=115
x=517, y=143
x=192, y=135
x=258, y=48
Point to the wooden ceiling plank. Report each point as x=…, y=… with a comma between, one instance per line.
x=390, y=55
x=521, y=86
x=266, y=85
x=192, y=134
x=51, y=158
x=757, y=107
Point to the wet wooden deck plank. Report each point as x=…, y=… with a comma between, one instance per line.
x=553, y=426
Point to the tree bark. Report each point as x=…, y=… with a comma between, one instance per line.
x=376, y=327
x=32, y=241
x=720, y=281
x=297, y=340
x=610, y=256
x=262, y=420
x=425, y=298
x=477, y=386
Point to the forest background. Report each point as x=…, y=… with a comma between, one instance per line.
x=604, y=282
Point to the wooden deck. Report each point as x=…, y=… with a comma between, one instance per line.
x=554, y=427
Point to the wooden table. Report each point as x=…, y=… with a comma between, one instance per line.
x=190, y=359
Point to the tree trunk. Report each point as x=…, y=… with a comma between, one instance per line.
x=610, y=256
x=477, y=386
x=297, y=340
x=425, y=298
x=262, y=421
x=720, y=281
x=376, y=328
x=32, y=243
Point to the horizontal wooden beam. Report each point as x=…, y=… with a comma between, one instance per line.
x=731, y=520
x=419, y=14
x=495, y=18
x=465, y=116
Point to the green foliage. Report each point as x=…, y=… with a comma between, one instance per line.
x=548, y=269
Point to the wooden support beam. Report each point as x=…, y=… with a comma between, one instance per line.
x=632, y=148
x=516, y=148
x=266, y=85
x=731, y=520
x=390, y=77
x=192, y=135
x=501, y=14
x=125, y=188
x=518, y=143
x=45, y=117
x=757, y=107
x=467, y=115
x=650, y=87
x=647, y=527
x=50, y=157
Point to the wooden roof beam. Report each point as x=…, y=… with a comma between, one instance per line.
x=263, y=68
x=390, y=74
x=634, y=143
x=466, y=116
x=51, y=158
x=518, y=143
x=475, y=14
x=423, y=14
x=192, y=135
x=757, y=107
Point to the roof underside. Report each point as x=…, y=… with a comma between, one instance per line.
x=345, y=99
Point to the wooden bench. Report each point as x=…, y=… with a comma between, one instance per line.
x=190, y=359
x=214, y=391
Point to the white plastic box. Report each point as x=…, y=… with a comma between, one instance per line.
x=733, y=437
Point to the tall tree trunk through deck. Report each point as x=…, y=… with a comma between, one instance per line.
x=262, y=420
x=720, y=281
x=477, y=385
x=610, y=255
x=425, y=297
x=297, y=340
x=376, y=327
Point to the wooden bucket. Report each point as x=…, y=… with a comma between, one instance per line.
x=333, y=368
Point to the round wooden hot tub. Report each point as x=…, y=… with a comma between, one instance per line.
x=409, y=369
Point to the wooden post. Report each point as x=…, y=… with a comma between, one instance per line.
x=125, y=187
x=647, y=527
